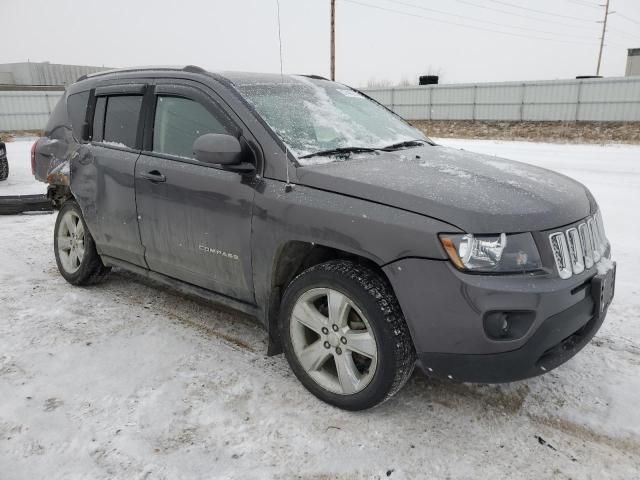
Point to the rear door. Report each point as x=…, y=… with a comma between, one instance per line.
x=195, y=218
x=103, y=181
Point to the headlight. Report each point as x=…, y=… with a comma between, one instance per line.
x=492, y=253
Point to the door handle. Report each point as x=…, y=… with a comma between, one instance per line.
x=154, y=176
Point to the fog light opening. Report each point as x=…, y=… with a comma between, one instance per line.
x=497, y=325
x=507, y=325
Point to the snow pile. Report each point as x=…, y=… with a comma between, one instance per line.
x=604, y=265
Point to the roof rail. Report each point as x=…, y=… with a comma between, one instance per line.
x=194, y=69
x=315, y=77
x=187, y=68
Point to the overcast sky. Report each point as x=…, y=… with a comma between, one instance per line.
x=376, y=39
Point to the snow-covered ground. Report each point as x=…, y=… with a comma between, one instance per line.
x=129, y=380
x=20, y=181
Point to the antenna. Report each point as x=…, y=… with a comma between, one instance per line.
x=288, y=187
x=604, y=33
x=280, y=40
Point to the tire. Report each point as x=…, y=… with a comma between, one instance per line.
x=4, y=168
x=80, y=266
x=14, y=204
x=369, y=318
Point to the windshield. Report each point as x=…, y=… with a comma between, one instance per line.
x=312, y=116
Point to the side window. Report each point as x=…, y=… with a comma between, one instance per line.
x=178, y=122
x=120, y=120
x=77, y=110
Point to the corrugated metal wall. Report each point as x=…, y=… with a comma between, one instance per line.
x=609, y=99
x=44, y=73
x=54, y=74
x=606, y=99
x=26, y=109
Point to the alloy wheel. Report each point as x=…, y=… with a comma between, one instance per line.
x=333, y=341
x=71, y=241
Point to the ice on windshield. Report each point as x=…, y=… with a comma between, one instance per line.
x=311, y=116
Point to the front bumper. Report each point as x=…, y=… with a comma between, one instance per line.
x=445, y=308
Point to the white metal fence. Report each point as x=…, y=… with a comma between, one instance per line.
x=26, y=109
x=607, y=99
x=603, y=99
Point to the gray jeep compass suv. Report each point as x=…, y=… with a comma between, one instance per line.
x=361, y=246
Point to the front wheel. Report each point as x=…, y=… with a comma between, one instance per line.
x=76, y=255
x=344, y=335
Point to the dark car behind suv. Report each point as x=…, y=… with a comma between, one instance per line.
x=360, y=245
x=4, y=162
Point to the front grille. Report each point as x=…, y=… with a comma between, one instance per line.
x=579, y=247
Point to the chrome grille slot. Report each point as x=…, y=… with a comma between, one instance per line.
x=575, y=250
x=595, y=239
x=587, y=248
x=601, y=234
x=561, y=254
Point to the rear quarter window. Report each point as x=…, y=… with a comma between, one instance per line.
x=77, y=110
x=58, y=122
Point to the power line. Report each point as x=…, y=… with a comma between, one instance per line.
x=529, y=17
x=628, y=34
x=627, y=18
x=475, y=27
x=583, y=3
x=543, y=12
x=546, y=20
x=411, y=5
x=520, y=15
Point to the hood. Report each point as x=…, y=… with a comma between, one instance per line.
x=476, y=193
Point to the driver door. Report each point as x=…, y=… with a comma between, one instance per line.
x=195, y=218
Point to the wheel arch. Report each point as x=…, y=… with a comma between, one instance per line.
x=59, y=194
x=291, y=259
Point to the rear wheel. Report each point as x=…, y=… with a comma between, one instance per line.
x=344, y=335
x=76, y=255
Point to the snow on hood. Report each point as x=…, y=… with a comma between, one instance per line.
x=477, y=193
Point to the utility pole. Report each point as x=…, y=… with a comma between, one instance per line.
x=604, y=32
x=333, y=39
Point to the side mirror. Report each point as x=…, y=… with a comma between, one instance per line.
x=223, y=150
x=217, y=148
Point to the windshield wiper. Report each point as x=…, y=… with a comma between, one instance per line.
x=346, y=151
x=405, y=144
x=342, y=151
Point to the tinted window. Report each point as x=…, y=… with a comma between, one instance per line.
x=178, y=122
x=58, y=121
x=98, y=119
x=77, y=108
x=121, y=120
